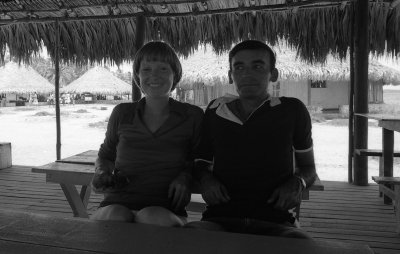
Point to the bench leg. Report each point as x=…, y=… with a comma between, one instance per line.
x=397, y=206
x=380, y=174
x=75, y=201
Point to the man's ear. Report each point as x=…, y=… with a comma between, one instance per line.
x=230, y=77
x=274, y=75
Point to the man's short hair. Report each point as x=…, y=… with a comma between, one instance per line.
x=157, y=51
x=252, y=45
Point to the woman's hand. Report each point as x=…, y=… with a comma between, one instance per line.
x=179, y=191
x=102, y=182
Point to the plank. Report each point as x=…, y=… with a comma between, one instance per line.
x=374, y=152
x=14, y=247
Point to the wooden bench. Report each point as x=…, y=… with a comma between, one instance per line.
x=78, y=170
x=317, y=186
x=390, y=186
x=377, y=153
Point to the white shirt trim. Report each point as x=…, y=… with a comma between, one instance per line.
x=304, y=150
x=224, y=112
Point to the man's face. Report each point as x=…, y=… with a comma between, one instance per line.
x=251, y=73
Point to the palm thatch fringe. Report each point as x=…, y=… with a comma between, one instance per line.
x=98, y=80
x=205, y=68
x=314, y=33
x=20, y=79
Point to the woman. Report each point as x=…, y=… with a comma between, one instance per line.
x=144, y=166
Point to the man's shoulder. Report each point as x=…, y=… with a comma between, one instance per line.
x=291, y=101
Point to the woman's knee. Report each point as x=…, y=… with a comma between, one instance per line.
x=159, y=216
x=113, y=213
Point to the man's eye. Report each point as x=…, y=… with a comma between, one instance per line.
x=146, y=69
x=239, y=68
x=258, y=67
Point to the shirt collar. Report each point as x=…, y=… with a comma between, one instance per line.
x=223, y=110
x=175, y=106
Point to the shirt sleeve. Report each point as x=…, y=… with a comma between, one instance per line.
x=302, y=135
x=108, y=150
x=205, y=150
x=197, y=115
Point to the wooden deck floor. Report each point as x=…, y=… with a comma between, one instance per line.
x=342, y=212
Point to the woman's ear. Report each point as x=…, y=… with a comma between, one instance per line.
x=274, y=75
x=230, y=77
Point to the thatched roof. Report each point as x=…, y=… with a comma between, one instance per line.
x=204, y=66
x=22, y=79
x=94, y=30
x=98, y=80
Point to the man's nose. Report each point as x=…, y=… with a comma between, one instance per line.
x=247, y=72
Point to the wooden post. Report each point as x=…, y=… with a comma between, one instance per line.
x=140, y=35
x=57, y=88
x=387, y=144
x=361, y=90
x=351, y=100
x=309, y=92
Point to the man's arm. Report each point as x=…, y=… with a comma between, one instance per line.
x=212, y=191
x=305, y=167
x=289, y=194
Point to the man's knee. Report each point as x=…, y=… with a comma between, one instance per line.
x=158, y=216
x=113, y=213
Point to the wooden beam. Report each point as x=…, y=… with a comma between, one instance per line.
x=351, y=101
x=57, y=88
x=361, y=47
x=277, y=7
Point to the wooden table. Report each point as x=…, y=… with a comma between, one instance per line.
x=43, y=234
x=389, y=124
x=78, y=170
x=70, y=173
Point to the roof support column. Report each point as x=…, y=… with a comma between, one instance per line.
x=351, y=100
x=361, y=47
x=57, y=88
x=140, y=35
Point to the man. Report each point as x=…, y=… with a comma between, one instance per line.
x=250, y=141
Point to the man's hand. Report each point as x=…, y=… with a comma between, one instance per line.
x=288, y=195
x=179, y=191
x=102, y=182
x=213, y=192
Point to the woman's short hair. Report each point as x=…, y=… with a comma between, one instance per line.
x=158, y=51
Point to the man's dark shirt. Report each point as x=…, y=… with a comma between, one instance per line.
x=253, y=158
